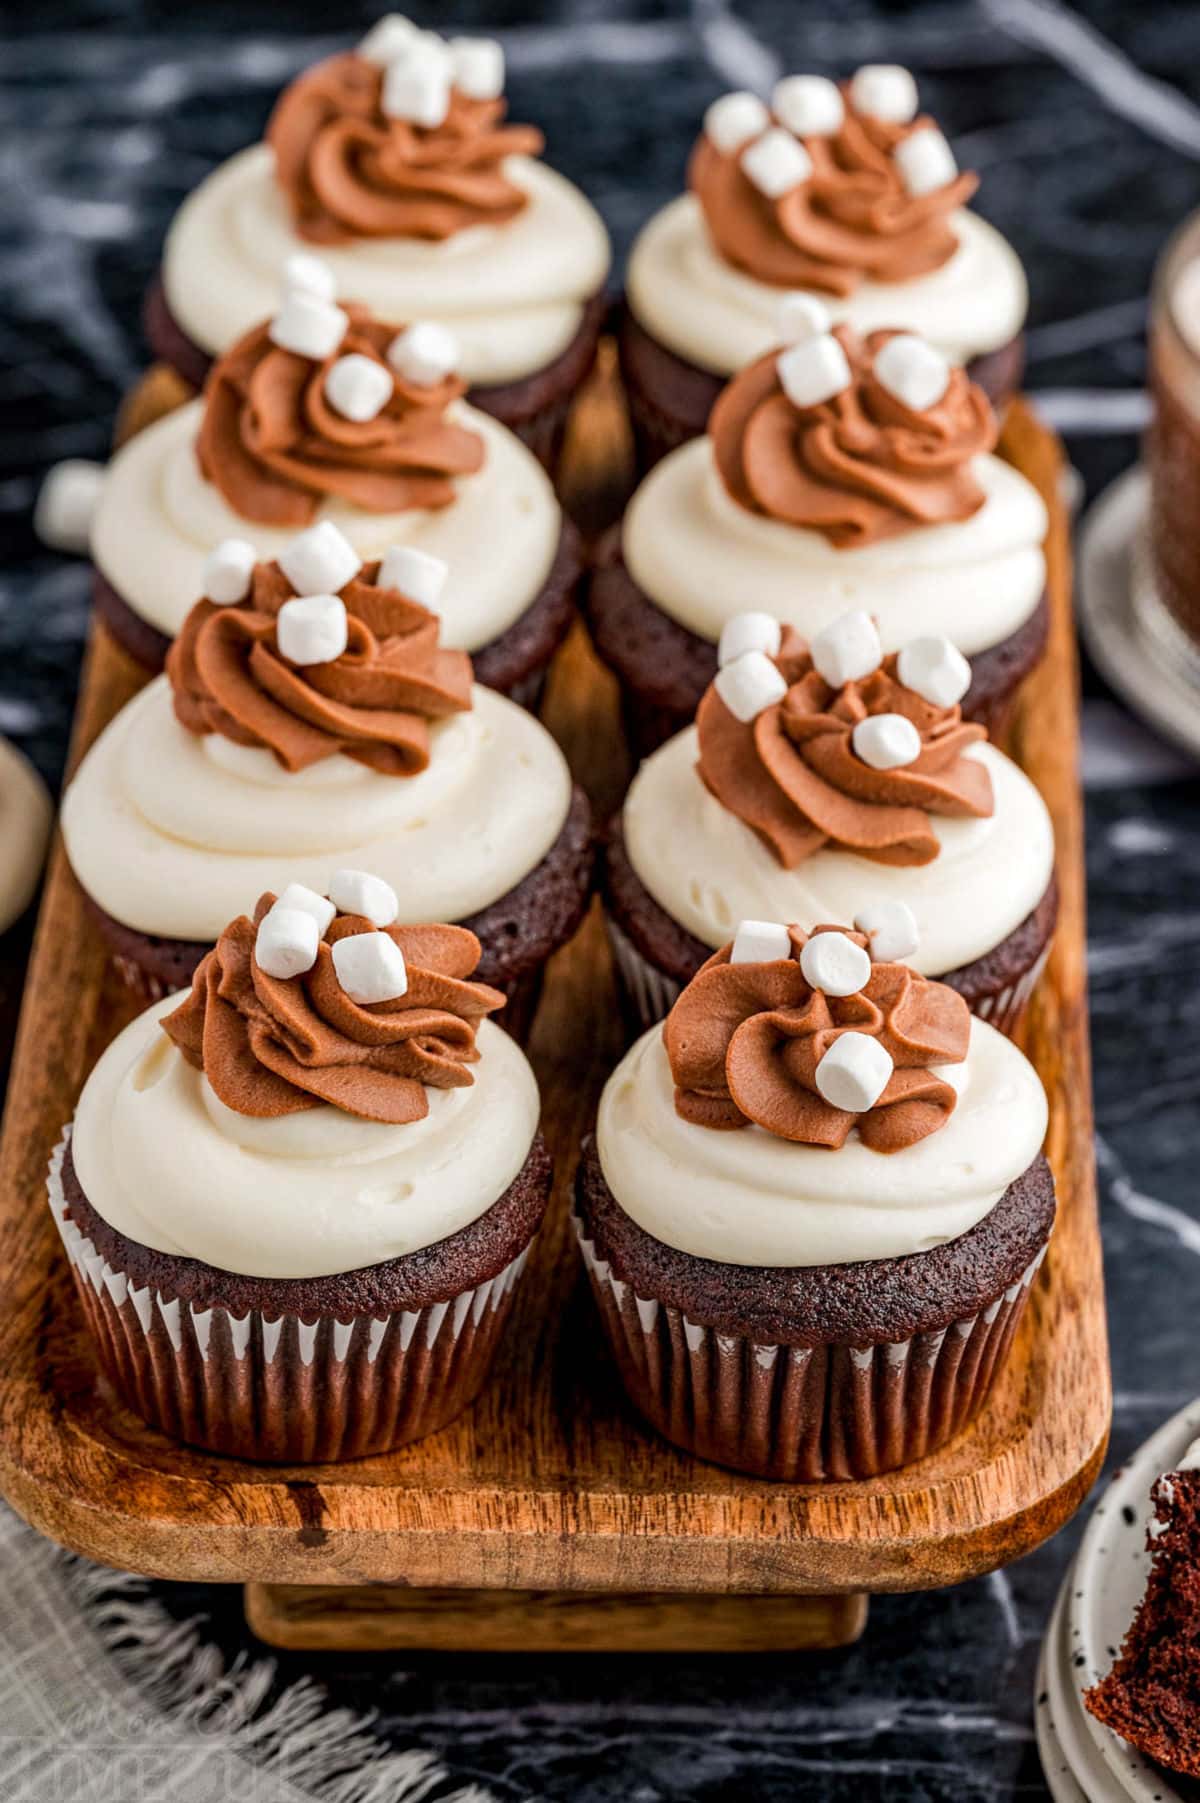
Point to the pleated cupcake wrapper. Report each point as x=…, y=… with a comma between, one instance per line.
x=545, y=431
x=281, y=1387
x=655, y=433
x=1004, y=1010
x=136, y=978
x=794, y=1413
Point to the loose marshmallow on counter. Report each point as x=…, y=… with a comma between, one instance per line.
x=912, y=370
x=297, y=895
x=228, y=569
x=62, y=517
x=854, y=1072
x=417, y=90
x=358, y=387
x=748, y=632
x=308, y=326
x=320, y=560
x=809, y=105
x=415, y=573
x=886, y=741
x=935, y=670
x=478, y=67
x=833, y=963
x=760, y=942
x=891, y=926
x=370, y=968
x=425, y=353
x=388, y=39
x=813, y=371
x=312, y=629
x=848, y=649
x=801, y=316
x=925, y=161
x=305, y=274
x=776, y=163
x=358, y=892
x=286, y=942
x=884, y=91
x=750, y=684
x=734, y=119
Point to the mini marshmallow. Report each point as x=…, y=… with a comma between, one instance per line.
x=424, y=353
x=935, y=670
x=734, y=119
x=228, y=569
x=320, y=560
x=776, y=163
x=748, y=632
x=886, y=741
x=913, y=371
x=833, y=963
x=296, y=895
x=809, y=105
x=286, y=942
x=312, y=629
x=370, y=968
x=66, y=504
x=750, y=684
x=854, y=1072
x=305, y=274
x=308, y=326
x=884, y=91
x=891, y=926
x=358, y=892
x=417, y=89
x=760, y=942
x=358, y=387
x=415, y=573
x=388, y=39
x=478, y=67
x=848, y=649
x=925, y=161
x=800, y=317
x=813, y=371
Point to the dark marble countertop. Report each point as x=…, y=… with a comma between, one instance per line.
x=1084, y=123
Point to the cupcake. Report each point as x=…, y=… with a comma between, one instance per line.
x=396, y=162
x=813, y=1207
x=297, y=1200
x=1166, y=562
x=309, y=723
x=837, y=472
x=846, y=192
x=26, y=816
x=325, y=415
x=822, y=779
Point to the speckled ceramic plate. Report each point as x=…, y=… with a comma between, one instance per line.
x=1051, y=1702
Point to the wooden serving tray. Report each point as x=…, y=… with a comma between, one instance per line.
x=534, y=1519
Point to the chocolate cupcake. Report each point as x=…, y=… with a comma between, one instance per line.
x=326, y=415
x=396, y=162
x=819, y=780
x=310, y=721
x=843, y=191
x=836, y=472
x=296, y=1203
x=813, y=1208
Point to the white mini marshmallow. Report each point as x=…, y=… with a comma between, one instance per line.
x=833, y=963
x=416, y=89
x=750, y=684
x=358, y=892
x=935, y=670
x=296, y=895
x=370, y=968
x=286, y=942
x=891, y=926
x=800, y=317
x=305, y=274
x=848, y=649
x=320, y=560
x=358, y=387
x=425, y=353
x=925, y=161
x=914, y=371
x=760, y=942
x=886, y=741
x=227, y=571
x=748, y=632
x=813, y=371
x=308, y=326
x=312, y=629
x=884, y=91
x=478, y=67
x=415, y=573
x=66, y=503
x=854, y=1072
x=734, y=119
x=809, y=105
x=388, y=39
x=776, y=163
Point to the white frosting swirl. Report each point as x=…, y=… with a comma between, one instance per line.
x=702, y=308
x=512, y=294
x=749, y=1198
x=709, y=870
x=702, y=558
x=307, y=1195
x=157, y=520
x=174, y=834
x=26, y=813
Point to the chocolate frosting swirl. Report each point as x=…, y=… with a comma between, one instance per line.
x=792, y=773
x=272, y=1046
x=744, y=1042
x=347, y=170
x=851, y=221
x=274, y=446
x=860, y=467
x=374, y=703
